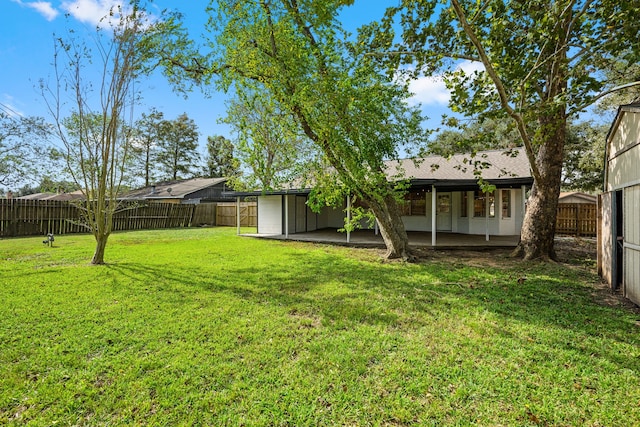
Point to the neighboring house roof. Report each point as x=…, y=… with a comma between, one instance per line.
x=576, y=197
x=75, y=195
x=506, y=168
x=173, y=189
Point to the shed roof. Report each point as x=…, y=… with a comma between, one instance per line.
x=590, y=198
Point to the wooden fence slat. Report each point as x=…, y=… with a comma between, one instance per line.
x=578, y=219
x=226, y=214
x=37, y=217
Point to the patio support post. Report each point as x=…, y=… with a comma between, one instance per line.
x=375, y=226
x=524, y=199
x=348, y=217
x=238, y=214
x=486, y=216
x=433, y=215
x=286, y=216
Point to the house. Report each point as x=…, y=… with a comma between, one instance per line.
x=192, y=191
x=443, y=196
x=619, y=237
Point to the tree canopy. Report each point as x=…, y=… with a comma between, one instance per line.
x=544, y=62
x=298, y=53
x=20, y=153
x=177, y=152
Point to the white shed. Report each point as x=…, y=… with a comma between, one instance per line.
x=619, y=240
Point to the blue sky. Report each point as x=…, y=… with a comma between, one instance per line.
x=26, y=48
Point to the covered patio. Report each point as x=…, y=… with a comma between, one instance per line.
x=368, y=238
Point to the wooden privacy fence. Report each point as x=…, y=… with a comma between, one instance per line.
x=577, y=219
x=226, y=214
x=37, y=217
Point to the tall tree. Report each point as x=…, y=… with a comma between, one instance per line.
x=220, y=160
x=178, y=147
x=146, y=135
x=21, y=147
x=269, y=141
x=584, y=153
x=297, y=53
x=545, y=62
x=95, y=139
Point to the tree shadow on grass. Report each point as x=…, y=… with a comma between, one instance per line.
x=346, y=293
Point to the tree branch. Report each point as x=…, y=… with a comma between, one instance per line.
x=504, y=101
x=581, y=107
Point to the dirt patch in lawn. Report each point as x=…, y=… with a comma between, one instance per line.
x=579, y=253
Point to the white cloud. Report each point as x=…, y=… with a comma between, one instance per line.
x=92, y=11
x=431, y=90
x=44, y=8
x=103, y=13
x=7, y=105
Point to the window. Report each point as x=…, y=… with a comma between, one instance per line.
x=479, y=204
x=506, y=203
x=415, y=204
x=464, y=196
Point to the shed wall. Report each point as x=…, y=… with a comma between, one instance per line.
x=631, y=281
x=624, y=152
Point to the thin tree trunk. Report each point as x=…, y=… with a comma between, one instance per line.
x=101, y=244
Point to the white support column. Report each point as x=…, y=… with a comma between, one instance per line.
x=348, y=217
x=486, y=216
x=434, y=210
x=238, y=214
x=375, y=226
x=524, y=200
x=286, y=216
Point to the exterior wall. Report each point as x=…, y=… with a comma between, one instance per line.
x=622, y=173
x=623, y=155
x=312, y=220
x=497, y=225
x=290, y=202
x=631, y=261
x=271, y=219
x=270, y=215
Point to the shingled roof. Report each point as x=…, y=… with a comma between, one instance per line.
x=499, y=167
x=173, y=189
x=502, y=168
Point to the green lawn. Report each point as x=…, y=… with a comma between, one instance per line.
x=201, y=327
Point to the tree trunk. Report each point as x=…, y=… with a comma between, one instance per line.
x=539, y=226
x=101, y=244
x=392, y=229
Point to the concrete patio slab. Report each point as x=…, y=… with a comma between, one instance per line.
x=368, y=238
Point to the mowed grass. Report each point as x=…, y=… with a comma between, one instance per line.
x=201, y=327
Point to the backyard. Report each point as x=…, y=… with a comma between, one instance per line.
x=202, y=327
